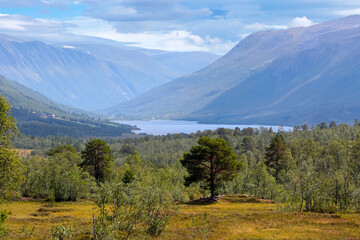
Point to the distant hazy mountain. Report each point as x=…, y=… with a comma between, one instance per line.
x=174, y=64
x=38, y=115
x=86, y=76
x=273, y=77
x=185, y=62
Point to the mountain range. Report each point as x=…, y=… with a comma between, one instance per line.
x=91, y=76
x=293, y=76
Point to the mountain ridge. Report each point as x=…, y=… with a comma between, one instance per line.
x=207, y=95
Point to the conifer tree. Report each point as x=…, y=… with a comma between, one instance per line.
x=211, y=161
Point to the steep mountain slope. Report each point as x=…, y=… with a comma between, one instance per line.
x=73, y=77
x=306, y=85
x=38, y=115
x=272, y=77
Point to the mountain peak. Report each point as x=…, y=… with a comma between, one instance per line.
x=5, y=37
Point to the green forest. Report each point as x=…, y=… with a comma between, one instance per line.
x=314, y=169
x=139, y=183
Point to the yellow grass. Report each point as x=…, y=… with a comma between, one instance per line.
x=24, y=152
x=222, y=220
x=35, y=220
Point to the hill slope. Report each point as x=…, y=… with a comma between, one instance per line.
x=38, y=115
x=273, y=77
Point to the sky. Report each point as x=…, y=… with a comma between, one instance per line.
x=174, y=25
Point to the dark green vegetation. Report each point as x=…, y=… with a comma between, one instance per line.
x=97, y=160
x=40, y=116
x=212, y=161
x=10, y=164
x=295, y=76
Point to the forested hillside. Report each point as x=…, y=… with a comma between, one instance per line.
x=37, y=115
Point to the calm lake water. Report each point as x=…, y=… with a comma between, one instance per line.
x=163, y=127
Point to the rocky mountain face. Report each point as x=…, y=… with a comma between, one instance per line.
x=294, y=76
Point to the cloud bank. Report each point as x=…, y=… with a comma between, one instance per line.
x=182, y=25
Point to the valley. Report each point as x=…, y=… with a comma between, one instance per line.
x=179, y=120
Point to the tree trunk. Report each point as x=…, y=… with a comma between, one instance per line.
x=212, y=180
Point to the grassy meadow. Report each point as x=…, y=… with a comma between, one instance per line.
x=233, y=217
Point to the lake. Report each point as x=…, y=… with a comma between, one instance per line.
x=163, y=127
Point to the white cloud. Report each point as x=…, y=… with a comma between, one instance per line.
x=19, y=25
x=347, y=12
x=296, y=22
x=172, y=40
x=300, y=22
x=262, y=27
x=244, y=35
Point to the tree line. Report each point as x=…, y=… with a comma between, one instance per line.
x=309, y=168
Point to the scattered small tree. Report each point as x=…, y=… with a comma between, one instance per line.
x=332, y=124
x=278, y=158
x=322, y=126
x=212, y=161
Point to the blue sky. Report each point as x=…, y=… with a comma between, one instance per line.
x=175, y=25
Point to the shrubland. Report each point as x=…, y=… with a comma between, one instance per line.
x=309, y=169
x=139, y=186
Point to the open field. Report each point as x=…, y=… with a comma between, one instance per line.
x=231, y=218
